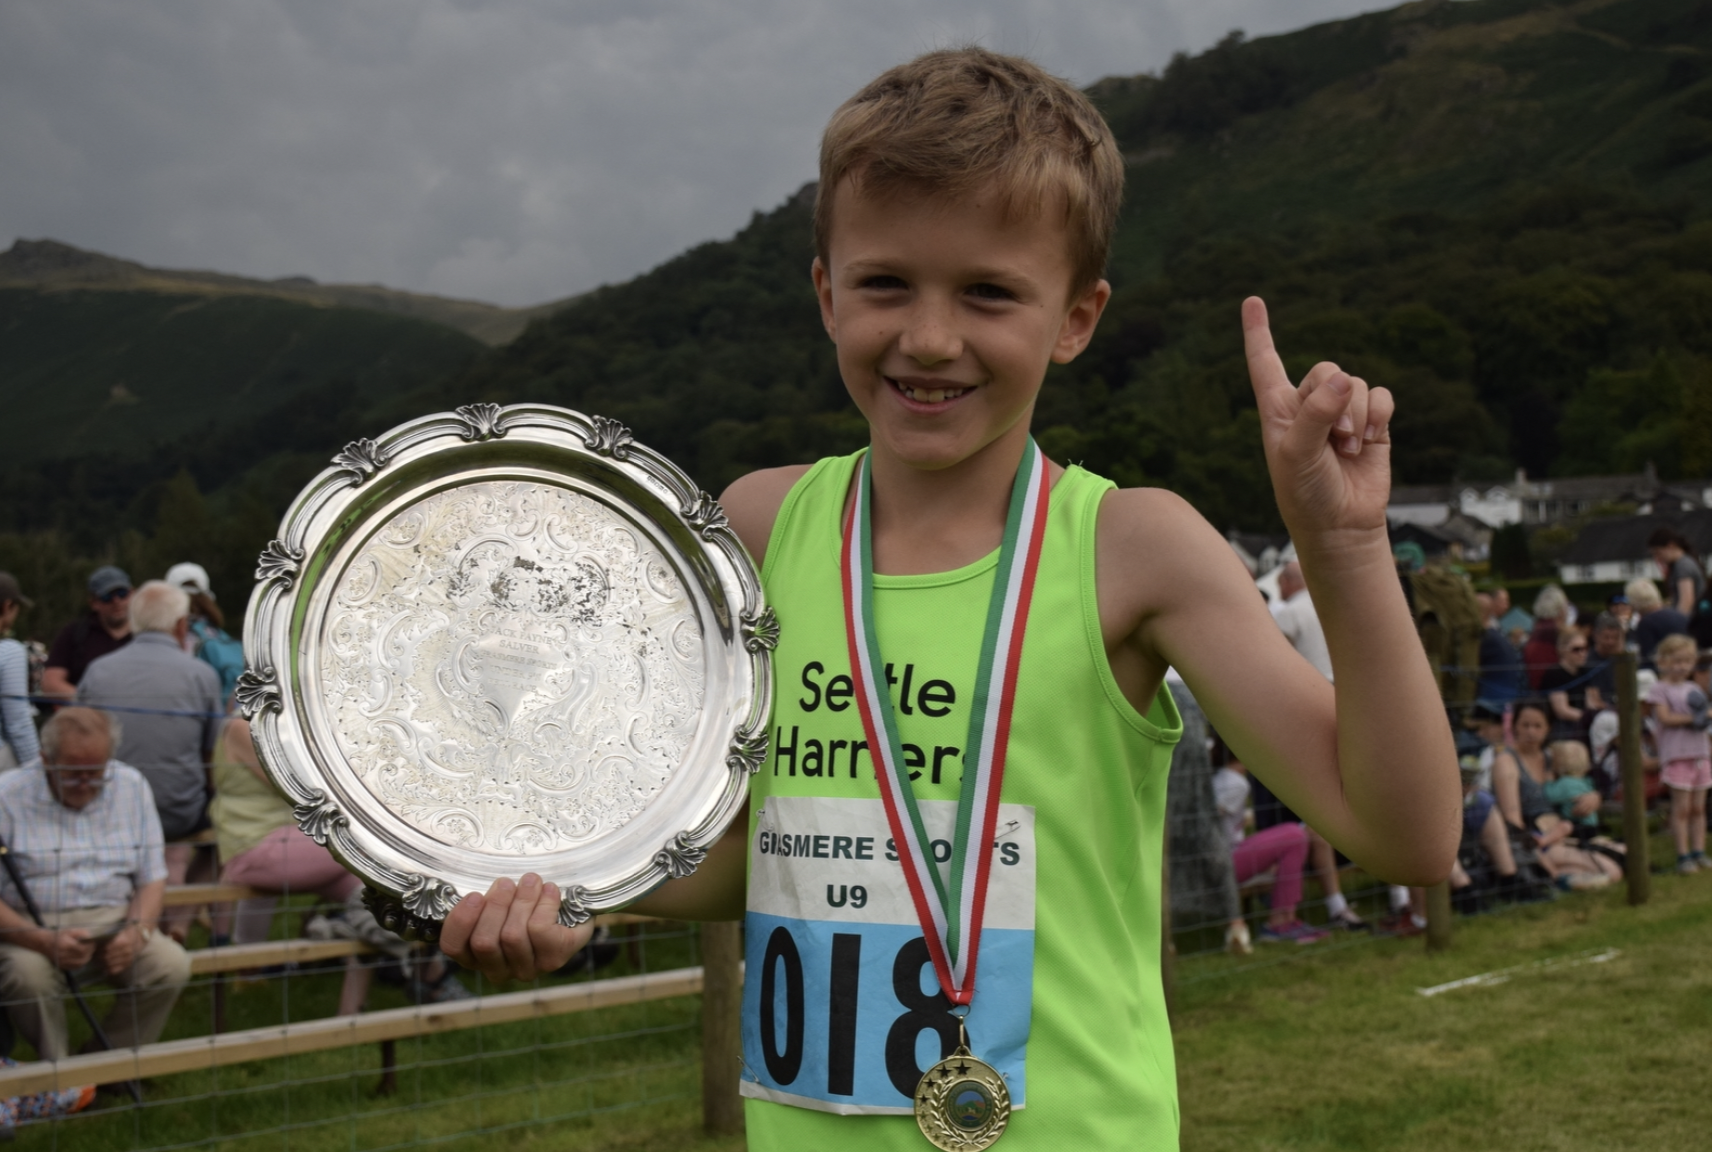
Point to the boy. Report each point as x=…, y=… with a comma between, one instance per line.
x=965, y=208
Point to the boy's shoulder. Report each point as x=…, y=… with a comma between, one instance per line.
x=752, y=503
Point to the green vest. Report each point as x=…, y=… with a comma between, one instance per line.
x=839, y=1012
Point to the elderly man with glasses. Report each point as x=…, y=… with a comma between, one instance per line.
x=81, y=829
x=105, y=628
x=172, y=709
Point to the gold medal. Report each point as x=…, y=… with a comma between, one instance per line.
x=961, y=1103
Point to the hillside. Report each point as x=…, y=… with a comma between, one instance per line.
x=1497, y=208
x=50, y=266
x=119, y=374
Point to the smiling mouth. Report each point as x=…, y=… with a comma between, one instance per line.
x=924, y=395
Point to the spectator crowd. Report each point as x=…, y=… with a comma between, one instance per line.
x=123, y=773
x=139, y=778
x=1532, y=698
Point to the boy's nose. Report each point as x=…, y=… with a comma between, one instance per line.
x=928, y=339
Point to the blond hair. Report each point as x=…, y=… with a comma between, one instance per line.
x=952, y=122
x=1570, y=758
x=1642, y=594
x=1675, y=645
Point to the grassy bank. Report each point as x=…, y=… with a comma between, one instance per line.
x=1340, y=1051
x=1325, y=1048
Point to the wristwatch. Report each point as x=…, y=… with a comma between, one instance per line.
x=146, y=933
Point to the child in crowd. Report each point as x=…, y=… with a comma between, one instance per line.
x=1283, y=848
x=1684, y=755
x=1571, y=763
x=948, y=576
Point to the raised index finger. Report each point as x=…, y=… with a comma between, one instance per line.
x=1265, y=369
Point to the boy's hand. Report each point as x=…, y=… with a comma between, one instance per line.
x=1327, y=442
x=512, y=933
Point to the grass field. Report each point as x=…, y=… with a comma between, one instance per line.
x=1325, y=1048
x=1338, y=1050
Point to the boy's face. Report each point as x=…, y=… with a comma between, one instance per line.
x=946, y=315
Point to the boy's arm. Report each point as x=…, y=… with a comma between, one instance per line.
x=1372, y=766
x=513, y=932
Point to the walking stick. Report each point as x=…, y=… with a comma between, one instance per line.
x=17, y=878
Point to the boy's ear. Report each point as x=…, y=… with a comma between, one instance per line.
x=823, y=291
x=1079, y=322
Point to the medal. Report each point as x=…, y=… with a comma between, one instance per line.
x=961, y=1102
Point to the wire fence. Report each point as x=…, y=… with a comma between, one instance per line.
x=321, y=1030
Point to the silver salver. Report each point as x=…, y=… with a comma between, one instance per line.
x=508, y=640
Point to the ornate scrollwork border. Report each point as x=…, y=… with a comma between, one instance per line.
x=362, y=459
x=279, y=561
x=408, y=894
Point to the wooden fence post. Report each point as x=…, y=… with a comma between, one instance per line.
x=721, y=1026
x=1439, y=928
x=1637, y=865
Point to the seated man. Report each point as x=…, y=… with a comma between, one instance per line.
x=81, y=828
x=169, y=737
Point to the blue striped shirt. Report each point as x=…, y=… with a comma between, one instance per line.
x=93, y=857
x=16, y=726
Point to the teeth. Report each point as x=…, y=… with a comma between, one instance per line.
x=931, y=396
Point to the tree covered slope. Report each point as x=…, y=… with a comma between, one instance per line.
x=1495, y=208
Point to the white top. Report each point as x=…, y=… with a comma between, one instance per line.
x=1301, y=626
x=93, y=857
x=1230, y=794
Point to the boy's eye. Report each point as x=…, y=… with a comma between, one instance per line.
x=987, y=291
x=882, y=283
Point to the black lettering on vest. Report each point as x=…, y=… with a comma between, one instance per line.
x=939, y=754
x=935, y=698
x=903, y=693
x=841, y=848
x=782, y=750
x=857, y=747
x=941, y=850
x=812, y=761
x=799, y=845
x=864, y=847
x=914, y=757
x=832, y=747
x=838, y=693
x=1009, y=853
x=820, y=843
x=813, y=701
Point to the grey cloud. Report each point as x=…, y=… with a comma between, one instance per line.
x=512, y=151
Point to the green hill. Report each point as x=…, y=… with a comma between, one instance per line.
x=110, y=373
x=50, y=266
x=1497, y=208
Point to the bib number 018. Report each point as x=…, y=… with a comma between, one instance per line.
x=782, y=1048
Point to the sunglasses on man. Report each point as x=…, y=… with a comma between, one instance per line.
x=115, y=595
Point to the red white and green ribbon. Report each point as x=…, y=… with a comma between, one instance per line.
x=950, y=909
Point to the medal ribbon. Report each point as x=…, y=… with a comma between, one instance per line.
x=950, y=914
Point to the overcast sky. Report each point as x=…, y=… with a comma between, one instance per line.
x=509, y=150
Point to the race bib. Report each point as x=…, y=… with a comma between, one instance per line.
x=841, y=1009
